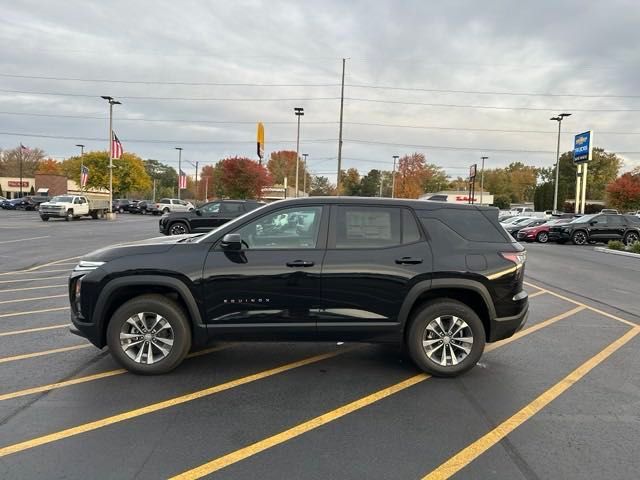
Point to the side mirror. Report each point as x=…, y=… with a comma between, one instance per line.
x=231, y=241
x=198, y=212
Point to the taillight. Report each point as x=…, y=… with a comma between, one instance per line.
x=516, y=257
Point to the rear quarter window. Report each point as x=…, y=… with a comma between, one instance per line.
x=471, y=225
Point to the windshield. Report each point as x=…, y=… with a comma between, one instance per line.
x=62, y=199
x=235, y=221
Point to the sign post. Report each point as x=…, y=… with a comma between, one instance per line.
x=473, y=170
x=260, y=141
x=582, y=155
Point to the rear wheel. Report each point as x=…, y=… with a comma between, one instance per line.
x=44, y=218
x=631, y=237
x=542, y=237
x=445, y=338
x=178, y=228
x=149, y=335
x=579, y=238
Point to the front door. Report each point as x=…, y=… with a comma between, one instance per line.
x=272, y=285
x=599, y=227
x=206, y=219
x=375, y=254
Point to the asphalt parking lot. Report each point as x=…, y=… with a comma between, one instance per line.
x=560, y=399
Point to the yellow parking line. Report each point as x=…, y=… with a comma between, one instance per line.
x=44, y=271
x=31, y=330
x=539, y=292
x=32, y=288
x=17, y=314
x=91, y=378
x=484, y=443
x=32, y=279
x=593, y=309
x=250, y=450
x=31, y=269
x=23, y=239
x=87, y=427
x=45, y=352
x=32, y=298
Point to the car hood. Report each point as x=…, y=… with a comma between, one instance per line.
x=142, y=247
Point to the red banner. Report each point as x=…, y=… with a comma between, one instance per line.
x=14, y=183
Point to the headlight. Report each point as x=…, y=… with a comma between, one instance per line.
x=86, y=266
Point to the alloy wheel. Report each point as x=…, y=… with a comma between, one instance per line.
x=146, y=338
x=632, y=238
x=447, y=340
x=543, y=237
x=579, y=238
x=178, y=229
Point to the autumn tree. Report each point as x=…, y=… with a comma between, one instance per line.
x=129, y=173
x=49, y=167
x=624, y=192
x=240, y=177
x=11, y=159
x=517, y=180
x=350, y=182
x=282, y=164
x=415, y=176
x=205, y=185
x=320, y=186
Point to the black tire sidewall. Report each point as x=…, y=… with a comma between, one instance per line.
x=171, y=312
x=419, y=323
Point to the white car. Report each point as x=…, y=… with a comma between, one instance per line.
x=166, y=205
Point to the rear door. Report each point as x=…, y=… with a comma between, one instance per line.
x=374, y=255
x=616, y=227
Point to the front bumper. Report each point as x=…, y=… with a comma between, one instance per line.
x=505, y=327
x=526, y=236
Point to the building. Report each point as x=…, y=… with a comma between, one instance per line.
x=279, y=192
x=457, y=196
x=43, y=184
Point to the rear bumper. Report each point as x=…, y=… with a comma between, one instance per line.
x=505, y=327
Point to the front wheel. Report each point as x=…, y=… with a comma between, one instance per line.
x=149, y=335
x=542, y=237
x=44, y=219
x=631, y=238
x=446, y=338
x=579, y=238
x=69, y=216
x=178, y=228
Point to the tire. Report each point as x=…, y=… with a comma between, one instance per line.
x=44, y=219
x=542, y=237
x=121, y=210
x=100, y=214
x=580, y=238
x=631, y=237
x=94, y=215
x=69, y=216
x=178, y=228
x=166, y=210
x=445, y=311
x=178, y=332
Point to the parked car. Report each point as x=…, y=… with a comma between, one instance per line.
x=122, y=205
x=539, y=233
x=14, y=204
x=515, y=227
x=612, y=211
x=208, y=216
x=440, y=278
x=597, y=228
x=71, y=207
x=166, y=205
x=38, y=199
x=25, y=203
x=143, y=207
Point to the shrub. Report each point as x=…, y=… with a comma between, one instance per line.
x=635, y=247
x=615, y=245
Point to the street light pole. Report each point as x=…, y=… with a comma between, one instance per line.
x=299, y=111
x=558, y=118
x=304, y=173
x=482, y=179
x=81, y=162
x=393, y=177
x=112, y=102
x=179, y=168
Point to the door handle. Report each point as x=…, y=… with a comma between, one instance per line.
x=300, y=263
x=408, y=261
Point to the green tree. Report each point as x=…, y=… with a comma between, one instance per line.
x=350, y=182
x=320, y=186
x=370, y=184
x=503, y=202
x=602, y=170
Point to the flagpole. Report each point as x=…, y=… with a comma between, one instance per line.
x=179, y=168
x=112, y=102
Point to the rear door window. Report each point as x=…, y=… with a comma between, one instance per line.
x=367, y=227
x=232, y=208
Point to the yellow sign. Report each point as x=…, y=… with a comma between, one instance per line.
x=260, y=140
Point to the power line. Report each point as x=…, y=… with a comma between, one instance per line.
x=253, y=122
x=198, y=99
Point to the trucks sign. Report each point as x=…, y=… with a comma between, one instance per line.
x=583, y=147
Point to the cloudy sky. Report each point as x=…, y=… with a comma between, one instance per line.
x=461, y=78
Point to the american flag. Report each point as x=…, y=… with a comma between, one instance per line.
x=116, y=147
x=84, y=176
x=182, y=181
x=24, y=149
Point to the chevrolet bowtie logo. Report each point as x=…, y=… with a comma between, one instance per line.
x=581, y=140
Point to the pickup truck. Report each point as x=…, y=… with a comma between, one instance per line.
x=74, y=206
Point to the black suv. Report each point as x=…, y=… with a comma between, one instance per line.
x=207, y=217
x=123, y=205
x=597, y=228
x=440, y=278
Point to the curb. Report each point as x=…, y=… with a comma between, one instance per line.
x=617, y=252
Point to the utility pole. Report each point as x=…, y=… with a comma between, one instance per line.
x=299, y=112
x=112, y=102
x=340, y=131
x=381, y=182
x=304, y=178
x=21, y=150
x=482, y=179
x=179, y=168
x=81, y=162
x=393, y=177
x=558, y=118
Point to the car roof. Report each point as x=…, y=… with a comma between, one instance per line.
x=402, y=202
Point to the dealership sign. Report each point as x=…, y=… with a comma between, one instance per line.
x=583, y=147
x=15, y=183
